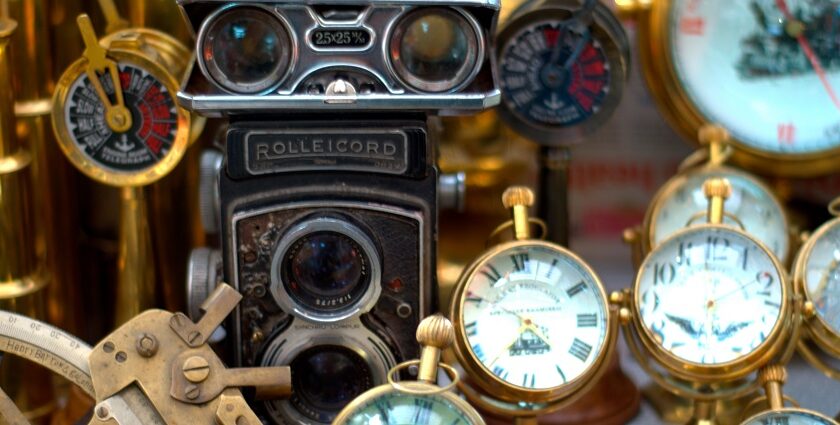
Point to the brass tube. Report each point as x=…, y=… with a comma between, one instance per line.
x=429, y=359
x=22, y=276
x=135, y=269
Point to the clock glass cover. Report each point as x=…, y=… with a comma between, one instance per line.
x=822, y=276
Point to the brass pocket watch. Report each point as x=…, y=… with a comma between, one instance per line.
x=710, y=305
x=419, y=402
x=759, y=68
x=772, y=378
x=681, y=203
x=533, y=326
x=817, y=279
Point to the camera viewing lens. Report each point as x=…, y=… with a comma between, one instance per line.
x=434, y=49
x=246, y=50
x=327, y=377
x=326, y=270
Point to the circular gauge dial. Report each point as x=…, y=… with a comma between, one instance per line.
x=400, y=408
x=709, y=295
x=751, y=203
x=154, y=116
x=822, y=276
x=534, y=317
x=554, y=75
x=767, y=70
x=789, y=417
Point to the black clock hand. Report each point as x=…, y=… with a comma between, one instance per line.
x=686, y=325
x=730, y=330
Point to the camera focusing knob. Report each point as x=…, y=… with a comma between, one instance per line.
x=341, y=91
x=208, y=190
x=452, y=191
x=203, y=277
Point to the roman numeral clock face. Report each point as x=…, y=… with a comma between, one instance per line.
x=534, y=317
x=709, y=295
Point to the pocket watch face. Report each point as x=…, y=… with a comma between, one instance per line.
x=822, y=276
x=751, y=203
x=534, y=316
x=400, y=408
x=710, y=295
x=767, y=70
x=789, y=417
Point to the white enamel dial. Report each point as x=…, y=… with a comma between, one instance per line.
x=761, y=215
x=535, y=317
x=789, y=417
x=822, y=276
x=709, y=295
x=774, y=92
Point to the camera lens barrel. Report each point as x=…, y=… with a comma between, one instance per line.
x=326, y=269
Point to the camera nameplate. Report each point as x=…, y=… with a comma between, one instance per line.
x=362, y=150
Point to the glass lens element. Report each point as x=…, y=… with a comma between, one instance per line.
x=327, y=377
x=326, y=270
x=246, y=50
x=434, y=49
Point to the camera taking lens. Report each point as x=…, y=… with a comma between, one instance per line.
x=326, y=270
x=326, y=378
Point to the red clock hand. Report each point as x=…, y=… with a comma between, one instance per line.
x=806, y=47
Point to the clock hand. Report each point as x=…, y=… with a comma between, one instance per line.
x=509, y=346
x=686, y=325
x=730, y=330
x=806, y=48
x=825, y=278
x=536, y=330
x=717, y=300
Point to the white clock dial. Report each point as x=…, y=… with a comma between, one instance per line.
x=761, y=215
x=822, y=276
x=774, y=92
x=535, y=317
x=709, y=295
x=400, y=408
x=789, y=417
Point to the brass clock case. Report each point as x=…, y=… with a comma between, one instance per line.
x=665, y=192
x=770, y=348
x=820, y=331
x=485, y=379
x=137, y=48
x=663, y=82
x=793, y=410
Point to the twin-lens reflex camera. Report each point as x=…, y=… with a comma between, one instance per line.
x=326, y=195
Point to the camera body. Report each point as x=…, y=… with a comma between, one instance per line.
x=329, y=231
x=327, y=195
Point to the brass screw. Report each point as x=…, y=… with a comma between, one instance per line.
x=809, y=310
x=616, y=297
x=193, y=337
x=196, y=369
x=625, y=315
x=192, y=392
x=717, y=187
x=102, y=412
x=147, y=345
x=772, y=373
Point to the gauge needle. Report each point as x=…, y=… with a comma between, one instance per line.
x=812, y=57
x=117, y=115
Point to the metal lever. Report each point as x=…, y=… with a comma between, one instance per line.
x=217, y=307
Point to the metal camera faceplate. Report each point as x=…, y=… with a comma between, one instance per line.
x=352, y=46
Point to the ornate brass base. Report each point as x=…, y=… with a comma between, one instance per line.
x=676, y=410
x=613, y=401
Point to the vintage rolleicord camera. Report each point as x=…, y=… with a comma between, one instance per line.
x=328, y=192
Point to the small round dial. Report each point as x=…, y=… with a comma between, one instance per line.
x=534, y=317
x=767, y=70
x=154, y=117
x=789, y=417
x=553, y=75
x=400, y=408
x=822, y=276
x=710, y=295
x=684, y=204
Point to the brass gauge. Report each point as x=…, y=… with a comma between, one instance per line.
x=562, y=68
x=131, y=133
x=765, y=70
x=417, y=402
x=772, y=378
x=680, y=202
x=533, y=326
x=710, y=305
x=817, y=279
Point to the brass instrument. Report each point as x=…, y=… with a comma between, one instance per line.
x=772, y=378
